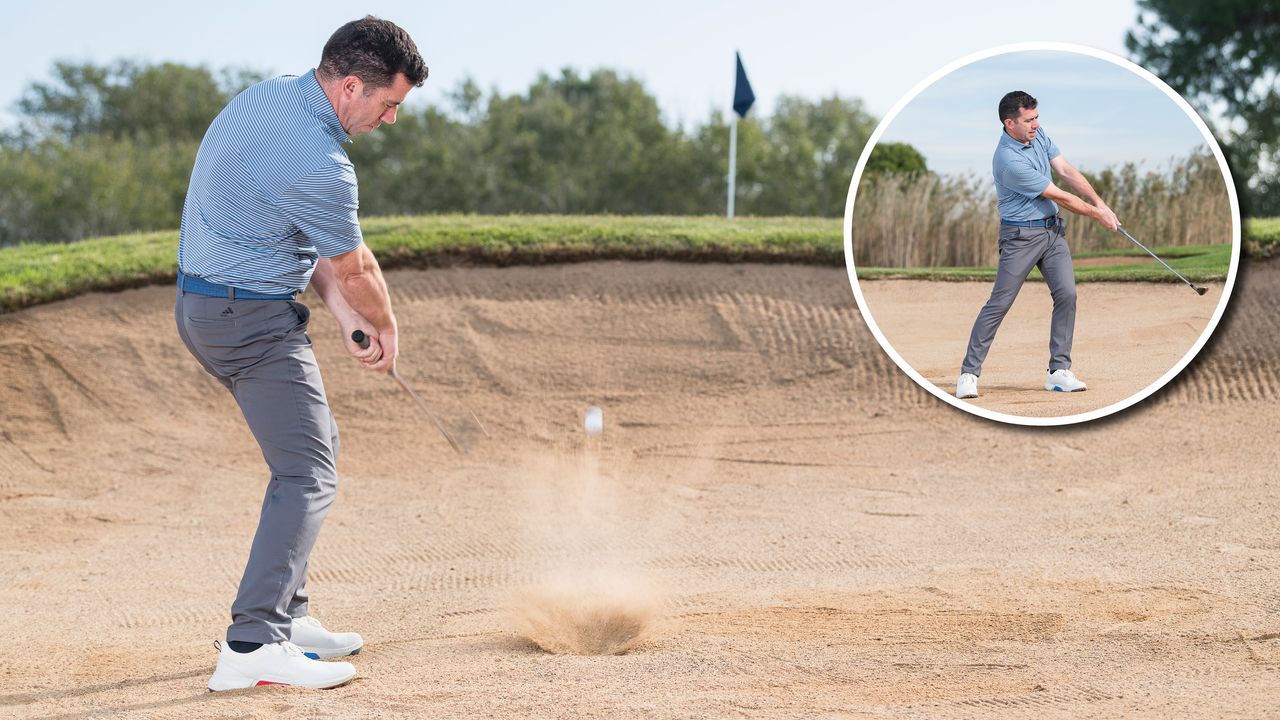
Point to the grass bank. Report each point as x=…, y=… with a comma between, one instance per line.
x=34, y=274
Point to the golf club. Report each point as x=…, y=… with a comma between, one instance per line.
x=363, y=341
x=1199, y=290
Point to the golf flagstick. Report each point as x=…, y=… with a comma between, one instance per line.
x=1199, y=290
x=363, y=341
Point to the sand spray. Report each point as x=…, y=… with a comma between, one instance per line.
x=596, y=601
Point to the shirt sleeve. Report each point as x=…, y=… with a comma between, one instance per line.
x=323, y=207
x=1052, y=148
x=1023, y=178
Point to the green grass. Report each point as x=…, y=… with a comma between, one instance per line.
x=1198, y=263
x=34, y=274
x=1262, y=236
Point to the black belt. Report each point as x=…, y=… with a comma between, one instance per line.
x=200, y=286
x=1042, y=222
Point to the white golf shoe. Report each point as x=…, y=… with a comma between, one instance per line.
x=967, y=386
x=1064, y=381
x=320, y=644
x=279, y=663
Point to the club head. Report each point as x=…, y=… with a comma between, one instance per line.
x=1201, y=290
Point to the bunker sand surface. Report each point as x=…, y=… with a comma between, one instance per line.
x=1127, y=336
x=826, y=537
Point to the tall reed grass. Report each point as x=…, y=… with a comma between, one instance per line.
x=934, y=220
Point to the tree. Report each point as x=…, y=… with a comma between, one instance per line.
x=106, y=149
x=896, y=158
x=808, y=156
x=127, y=100
x=1224, y=56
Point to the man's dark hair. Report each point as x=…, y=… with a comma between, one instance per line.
x=374, y=50
x=1013, y=103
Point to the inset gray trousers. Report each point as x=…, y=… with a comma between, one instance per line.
x=1022, y=249
x=260, y=351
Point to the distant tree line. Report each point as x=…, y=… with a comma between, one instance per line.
x=108, y=149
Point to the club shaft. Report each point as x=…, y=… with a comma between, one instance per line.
x=363, y=341
x=1158, y=258
x=439, y=426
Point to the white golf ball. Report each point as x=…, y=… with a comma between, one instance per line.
x=593, y=422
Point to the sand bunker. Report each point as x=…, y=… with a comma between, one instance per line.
x=830, y=540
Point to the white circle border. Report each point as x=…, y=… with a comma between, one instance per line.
x=1060, y=419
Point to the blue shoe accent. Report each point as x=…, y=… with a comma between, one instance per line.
x=1058, y=389
x=313, y=656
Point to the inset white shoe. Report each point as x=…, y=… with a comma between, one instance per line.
x=279, y=663
x=967, y=386
x=320, y=644
x=1064, y=381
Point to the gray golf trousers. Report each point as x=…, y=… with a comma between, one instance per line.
x=259, y=350
x=1022, y=249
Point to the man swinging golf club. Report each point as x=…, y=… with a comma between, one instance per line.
x=272, y=207
x=1032, y=234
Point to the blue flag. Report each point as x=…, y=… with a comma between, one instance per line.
x=743, y=98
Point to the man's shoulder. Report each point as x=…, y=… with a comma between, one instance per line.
x=1046, y=145
x=280, y=137
x=1007, y=150
x=282, y=88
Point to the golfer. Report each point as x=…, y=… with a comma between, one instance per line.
x=1032, y=234
x=272, y=207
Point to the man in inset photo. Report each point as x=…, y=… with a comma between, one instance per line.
x=1032, y=234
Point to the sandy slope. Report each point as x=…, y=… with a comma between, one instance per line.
x=829, y=539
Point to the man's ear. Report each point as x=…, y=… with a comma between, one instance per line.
x=352, y=85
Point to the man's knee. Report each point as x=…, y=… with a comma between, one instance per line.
x=999, y=303
x=320, y=484
x=1065, y=296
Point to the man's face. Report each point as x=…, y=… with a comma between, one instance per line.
x=362, y=113
x=1024, y=127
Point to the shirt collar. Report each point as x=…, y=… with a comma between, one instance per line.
x=1007, y=139
x=320, y=106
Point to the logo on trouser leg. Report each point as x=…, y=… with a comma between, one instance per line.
x=228, y=311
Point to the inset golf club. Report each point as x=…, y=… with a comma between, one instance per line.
x=1199, y=290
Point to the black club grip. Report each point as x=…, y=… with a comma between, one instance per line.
x=359, y=338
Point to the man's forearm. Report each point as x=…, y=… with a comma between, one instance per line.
x=365, y=290
x=1078, y=206
x=1079, y=184
x=325, y=282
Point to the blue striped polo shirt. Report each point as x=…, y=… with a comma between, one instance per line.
x=272, y=190
x=1022, y=172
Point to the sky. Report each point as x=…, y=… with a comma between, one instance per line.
x=1098, y=113
x=681, y=51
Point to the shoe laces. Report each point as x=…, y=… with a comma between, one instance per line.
x=308, y=621
x=1067, y=373
x=291, y=649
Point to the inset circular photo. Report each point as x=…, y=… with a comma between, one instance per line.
x=1042, y=234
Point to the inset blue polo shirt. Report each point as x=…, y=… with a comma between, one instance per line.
x=272, y=190
x=1022, y=172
